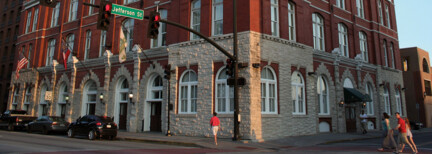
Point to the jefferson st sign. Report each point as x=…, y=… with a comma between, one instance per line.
x=127, y=11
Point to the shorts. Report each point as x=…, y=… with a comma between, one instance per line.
x=215, y=129
x=402, y=138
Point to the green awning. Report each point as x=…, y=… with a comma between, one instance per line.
x=353, y=95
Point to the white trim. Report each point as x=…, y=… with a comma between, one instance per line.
x=320, y=96
x=267, y=90
x=227, y=97
x=188, y=85
x=298, y=86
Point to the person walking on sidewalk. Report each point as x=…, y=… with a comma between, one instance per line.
x=215, y=126
x=409, y=134
x=402, y=137
x=363, y=118
x=388, y=142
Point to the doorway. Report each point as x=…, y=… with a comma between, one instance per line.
x=122, y=116
x=155, y=116
x=350, y=118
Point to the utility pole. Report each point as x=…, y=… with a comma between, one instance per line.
x=236, y=76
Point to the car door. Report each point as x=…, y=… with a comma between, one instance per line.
x=82, y=123
x=35, y=125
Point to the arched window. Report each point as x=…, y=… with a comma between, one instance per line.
x=89, y=99
x=387, y=107
x=224, y=93
x=42, y=102
x=268, y=91
x=318, y=31
x=369, y=105
x=348, y=83
x=61, y=105
x=425, y=66
x=161, y=40
x=122, y=98
x=398, y=102
x=188, y=92
x=343, y=39
x=322, y=91
x=128, y=31
x=291, y=21
x=298, y=93
x=274, y=16
x=195, y=18
x=363, y=46
x=156, y=89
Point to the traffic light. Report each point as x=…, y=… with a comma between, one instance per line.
x=153, y=26
x=167, y=72
x=103, y=21
x=230, y=67
x=48, y=3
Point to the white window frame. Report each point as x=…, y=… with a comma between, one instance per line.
x=16, y=97
x=343, y=40
x=392, y=55
x=129, y=1
x=340, y=4
x=387, y=16
x=35, y=19
x=152, y=89
x=128, y=31
x=215, y=5
x=323, y=96
x=42, y=102
x=29, y=15
x=398, y=102
x=161, y=40
x=318, y=32
x=195, y=14
x=360, y=8
x=55, y=15
x=363, y=46
x=87, y=45
x=63, y=92
x=50, y=52
x=380, y=14
x=298, y=88
x=29, y=55
x=385, y=53
x=387, y=107
x=73, y=10
x=291, y=22
x=70, y=40
x=27, y=100
x=224, y=102
x=87, y=92
x=268, y=85
x=102, y=42
x=188, y=87
x=274, y=17
x=369, y=105
x=121, y=90
x=91, y=8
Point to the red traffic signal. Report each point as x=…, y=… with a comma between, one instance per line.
x=153, y=26
x=48, y=3
x=229, y=67
x=103, y=21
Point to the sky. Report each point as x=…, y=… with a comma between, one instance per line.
x=414, y=23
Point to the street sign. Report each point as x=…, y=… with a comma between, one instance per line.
x=48, y=95
x=127, y=11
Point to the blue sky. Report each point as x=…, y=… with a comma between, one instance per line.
x=414, y=23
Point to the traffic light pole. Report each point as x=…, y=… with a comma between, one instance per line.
x=236, y=76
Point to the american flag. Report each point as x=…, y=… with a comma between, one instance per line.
x=21, y=63
x=66, y=52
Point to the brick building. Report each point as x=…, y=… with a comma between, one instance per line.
x=308, y=62
x=10, y=15
x=417, y=80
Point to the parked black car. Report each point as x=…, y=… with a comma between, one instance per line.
x=13, y=119
x=47, y=124
x=416, y=125
x=93, y=126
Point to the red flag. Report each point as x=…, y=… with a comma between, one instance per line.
x=66, y=52
x=21, y=63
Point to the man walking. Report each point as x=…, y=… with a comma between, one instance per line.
x=215, y=124
x=402, y=137
x=363, y=118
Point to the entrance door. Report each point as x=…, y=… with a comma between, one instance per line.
x=122, y=116
x=350, y=118
x=155, y=117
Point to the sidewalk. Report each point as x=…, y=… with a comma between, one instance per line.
x=228, y=144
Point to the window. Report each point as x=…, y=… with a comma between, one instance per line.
x=29, y=55
x=195, y=18
x=387, y=15
x=89, y=99
x=61, y=107
x=291, y=22
x=274, y=17
x=217, y=17
x=128, y=27
x=318, y=31
x=387, y=107
x=363, y=46
x=55, y=15
x=15, y=98
x=380, y=15
x=73, y=9
x=427, y=85
x=156, y=89
x=70, y=43
x=340, y=4
x=322, y=91
x=50, y=52
x=102, y=43
x=42, y=111
x=188, y=92
x=27, y=100
x=268, y=91
x=425, y=66
x=398, y=102
x=298, y=93
x=360, y=8
x=35, y=19
x=87, y=45
x=27, y=29
x=369, y=105
x=385, y=53
x=405, y=65
x=392, y=55
x=129, y=1
x=224, y=93
x=91, y=8
x=161, y=40
x=343, y=39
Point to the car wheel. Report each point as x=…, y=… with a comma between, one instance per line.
x=91, y=135
x=45, y=131
x=70, y=133
x=10, y=127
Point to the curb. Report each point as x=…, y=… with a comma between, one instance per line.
x=161, y=142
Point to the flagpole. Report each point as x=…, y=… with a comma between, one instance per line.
x=29, y=61
x=146, y=57
x=67, y=44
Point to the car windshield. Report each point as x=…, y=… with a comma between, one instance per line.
x=57, y=119
x=104, y=119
